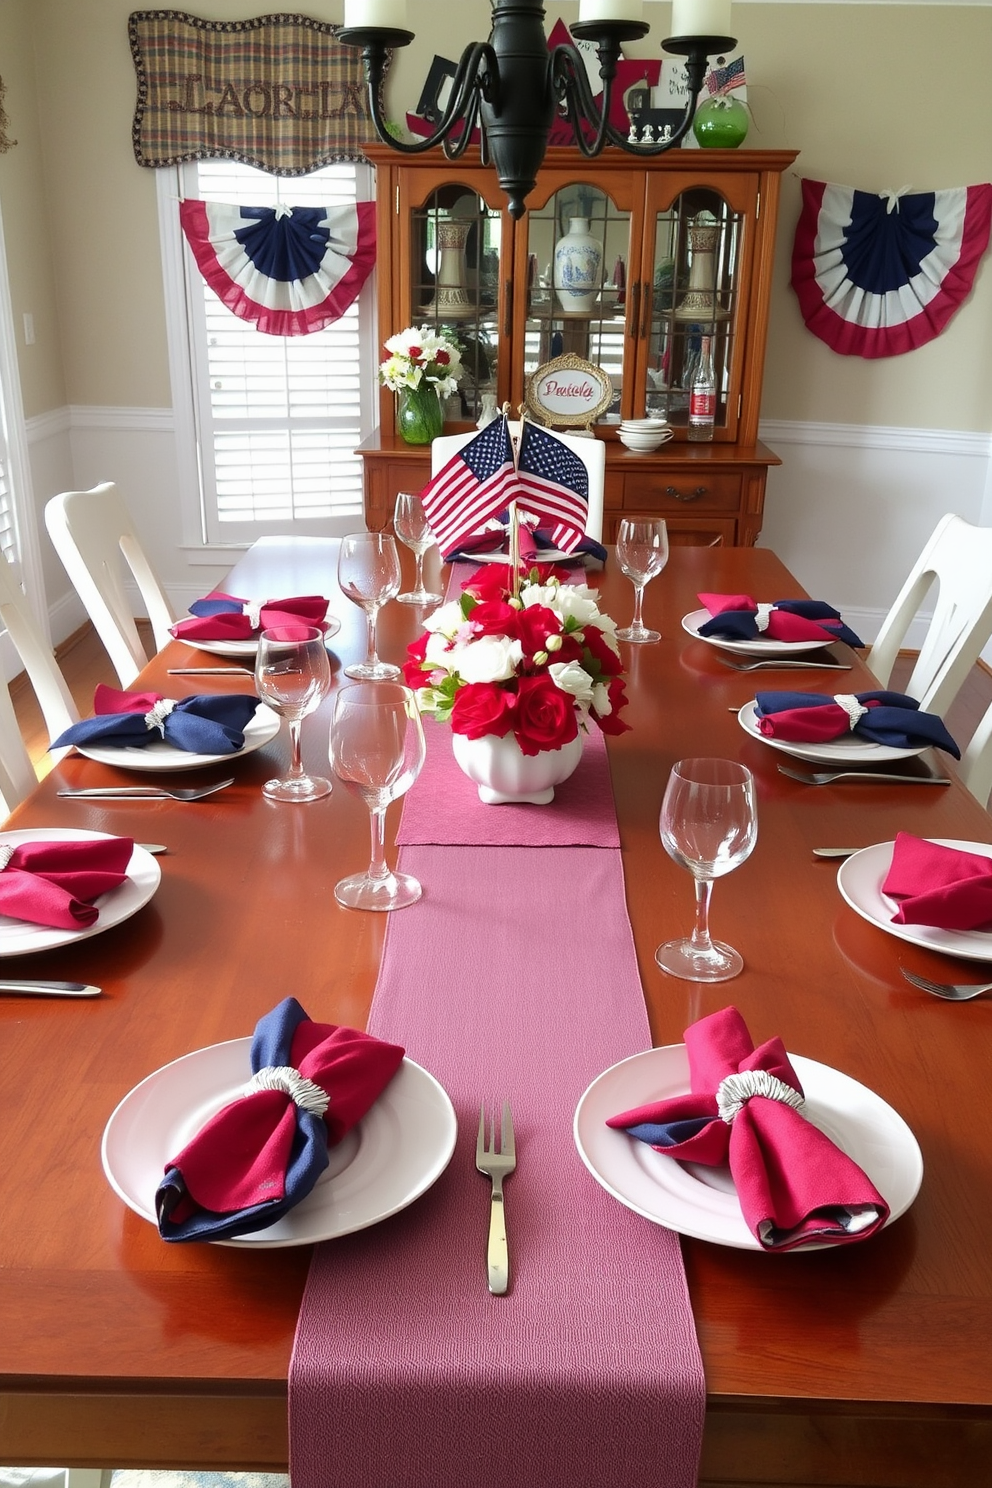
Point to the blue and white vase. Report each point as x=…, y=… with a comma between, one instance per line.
x=578, y=267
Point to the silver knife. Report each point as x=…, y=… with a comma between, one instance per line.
x=51, y=989
x=235, y=671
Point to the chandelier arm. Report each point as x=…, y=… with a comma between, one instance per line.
x=455, y=146
x=476, y=71
x=570, y=82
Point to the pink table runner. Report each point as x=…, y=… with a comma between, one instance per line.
x=515, y=977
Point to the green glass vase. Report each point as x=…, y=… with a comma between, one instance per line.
x=721, y=123
x=418, y=414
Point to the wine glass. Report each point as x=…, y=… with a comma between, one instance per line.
x=413, y=530
x=293, y=675
x=369, y=574
x=709, y=824
x=377, y=748
x=642, y=552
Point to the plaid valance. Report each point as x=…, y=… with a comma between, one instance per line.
x=278, y=92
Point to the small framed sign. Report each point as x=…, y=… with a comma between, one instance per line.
x=568, y=392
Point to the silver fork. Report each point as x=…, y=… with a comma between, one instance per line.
x=144, y=792
x=826, y=777
x=950, y=991
x=496, y=1166
x=784, y=664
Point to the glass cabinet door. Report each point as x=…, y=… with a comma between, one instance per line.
x=697, y=270
x=575, y=273
x=454, y=269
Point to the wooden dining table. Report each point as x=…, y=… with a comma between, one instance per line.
x=867, y=1365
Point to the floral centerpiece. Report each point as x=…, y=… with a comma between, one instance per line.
x=423, y=367
x=533, y=669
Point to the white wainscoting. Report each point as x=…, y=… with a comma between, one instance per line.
x=848, y=510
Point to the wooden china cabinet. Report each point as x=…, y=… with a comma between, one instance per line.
x=687, y=245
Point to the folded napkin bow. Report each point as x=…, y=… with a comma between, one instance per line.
x=225, y=617
x=54, y=883
x=881, y=717
x=210, y=723
x=260, y=1155
x=737, y=617
x=533, y=542
x=794, y=1185
x=946, y=887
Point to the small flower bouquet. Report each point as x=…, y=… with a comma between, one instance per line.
x=537, y=666
x=417, y=356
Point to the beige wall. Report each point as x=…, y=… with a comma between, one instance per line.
x=873, y=96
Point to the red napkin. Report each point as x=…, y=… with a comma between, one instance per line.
x=783, y=625
x=54, y=883
x=941, y=886
x=233, y=625
x=794, y=1185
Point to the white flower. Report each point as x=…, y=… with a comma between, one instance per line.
x=601, y=704
x=447, y=619
x=417, y=354
x=489, y=659
x=573, y=679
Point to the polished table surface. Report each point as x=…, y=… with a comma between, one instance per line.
x=868, y=1365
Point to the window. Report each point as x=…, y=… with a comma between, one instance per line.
x=266, y=425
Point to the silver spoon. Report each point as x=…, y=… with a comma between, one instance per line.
x=836, y=852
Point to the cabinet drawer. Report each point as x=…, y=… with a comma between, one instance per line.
x=678, y=490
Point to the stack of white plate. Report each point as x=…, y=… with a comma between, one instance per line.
x=645, y=434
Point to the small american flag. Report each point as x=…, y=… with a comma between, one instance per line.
x=555, y=484
x=475, y=485
x=724, y=79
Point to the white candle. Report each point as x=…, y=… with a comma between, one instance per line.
x=701, y=18
x=611, y=10
x=391, y=13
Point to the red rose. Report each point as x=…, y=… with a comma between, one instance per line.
x=491, y=581
x=442, y=358
x=544, y=716
x=569, y=650
x=413, y=672
x=493, y=617
x=482, y=708
x=532, y=626
x=610, y=664
x=613, y=723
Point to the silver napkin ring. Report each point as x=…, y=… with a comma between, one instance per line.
x=854, y=709
x=305, y=1093
x=253, y=613
x=762, y=615
x=735, y=1091
x=156, y=718
x=6, y=853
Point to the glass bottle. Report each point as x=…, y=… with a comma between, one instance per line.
x=702, y=396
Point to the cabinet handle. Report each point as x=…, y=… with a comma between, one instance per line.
x=686, y=495
x=635, y=306
x=646, y=310
x=507, y=308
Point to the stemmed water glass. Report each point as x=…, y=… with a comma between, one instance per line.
x=369, y=575
x=293, y=675
x=642, y=552
x=709, y=825
x=377, y=748
x=413, y=530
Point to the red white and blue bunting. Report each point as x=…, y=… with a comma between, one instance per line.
x=878, y=275
x=290, y=270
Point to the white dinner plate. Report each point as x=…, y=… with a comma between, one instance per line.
x=701, y=1201
x=549, y=555
x=241, y=649
x=393, y=1156
x=692, y=622
x=17, y=937
x=162, y=756
x=860, y=879
x=846, y=751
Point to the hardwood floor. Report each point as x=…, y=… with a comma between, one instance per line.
x=85, y=663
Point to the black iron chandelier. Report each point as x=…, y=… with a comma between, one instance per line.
x=514, y=87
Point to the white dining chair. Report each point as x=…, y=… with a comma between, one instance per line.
x=592, y=453
x=90, y=531
x=17, y=775
x=976, y=762
x=958, y=558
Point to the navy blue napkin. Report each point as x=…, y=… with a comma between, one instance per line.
x=892, y=718
x=741, y=625
x=209, y=723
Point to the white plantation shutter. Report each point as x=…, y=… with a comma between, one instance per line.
x=8, y=528
x=278, y=418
